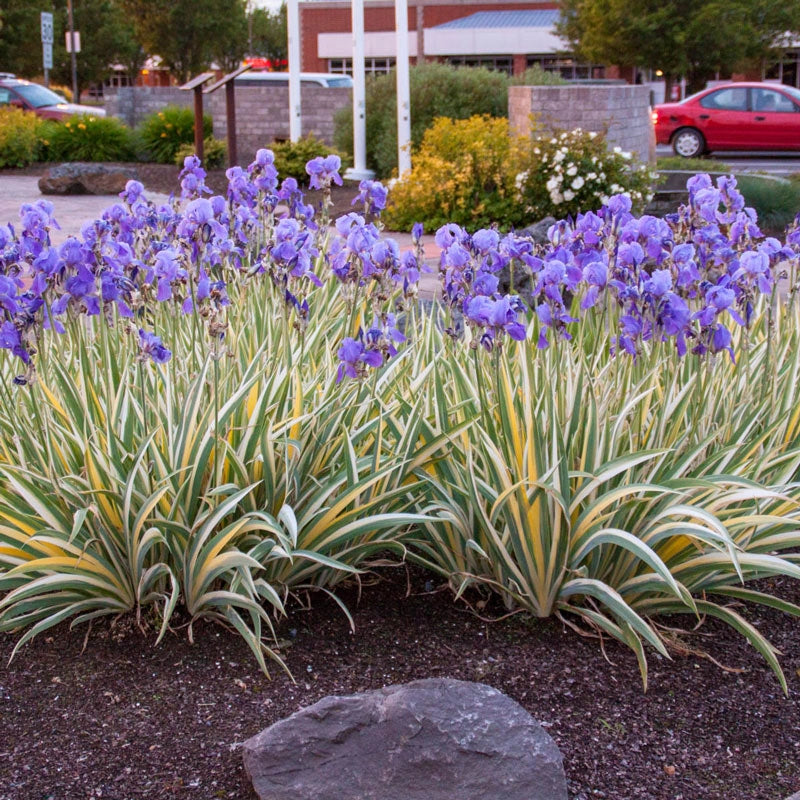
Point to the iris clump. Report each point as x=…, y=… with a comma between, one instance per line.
x=602, y=427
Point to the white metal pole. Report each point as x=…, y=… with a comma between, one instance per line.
x=359, y=170
x=293, y=47
x=403, y=90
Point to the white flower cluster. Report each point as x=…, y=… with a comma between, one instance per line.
x=572, y=170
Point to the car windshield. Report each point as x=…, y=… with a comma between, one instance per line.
x=38, y=96
x=792, y=92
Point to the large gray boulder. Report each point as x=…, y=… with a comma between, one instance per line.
x=82, y=178
x=538, y=231
x=435, y=739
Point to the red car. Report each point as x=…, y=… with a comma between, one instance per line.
x=736, y=116
x=43, y=102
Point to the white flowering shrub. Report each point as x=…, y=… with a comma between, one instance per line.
x=574, y=171
x=476, y=173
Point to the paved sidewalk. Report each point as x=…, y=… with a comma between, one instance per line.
x=72, y=211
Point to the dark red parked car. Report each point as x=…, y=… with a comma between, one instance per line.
x=736, y=116
x=41, y=101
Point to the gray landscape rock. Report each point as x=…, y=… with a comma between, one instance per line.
x=521, y=282
x=82, y=178
x=435, y=739
x=538, y=231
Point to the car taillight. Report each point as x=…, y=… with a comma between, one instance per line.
x=654, y=116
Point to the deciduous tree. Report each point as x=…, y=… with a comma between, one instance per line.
x=694, y=39
x=268, y=33
x=190, y=34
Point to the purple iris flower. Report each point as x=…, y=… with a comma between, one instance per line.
x=372, y=195
x=10, y=339
x=151, y=346
x=324, y=171
x=167, y=272
x=354, y=357
x=659, y=283
x=504, y=314
x=755, y=265
x=133, y=193
x=485, y=240
x=595, y=273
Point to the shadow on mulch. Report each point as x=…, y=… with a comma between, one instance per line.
x=123, y=719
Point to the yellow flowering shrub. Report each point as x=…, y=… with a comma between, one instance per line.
x=17, y=137
x=463, y=172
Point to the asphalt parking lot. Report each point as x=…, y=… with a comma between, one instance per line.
x=781, y=164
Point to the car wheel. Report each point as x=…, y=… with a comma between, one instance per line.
x=688, y=143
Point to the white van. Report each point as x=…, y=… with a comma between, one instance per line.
x=330, y=80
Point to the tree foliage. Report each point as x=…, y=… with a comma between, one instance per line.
x=107, y=39
x=267, y=33
x=690, y=38
x=190, y=34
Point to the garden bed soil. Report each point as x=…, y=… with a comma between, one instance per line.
x=122, y=719
x=163, y=178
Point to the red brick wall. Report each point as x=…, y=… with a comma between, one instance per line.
x=335, y=16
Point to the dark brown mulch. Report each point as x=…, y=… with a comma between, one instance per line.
x=126, y=720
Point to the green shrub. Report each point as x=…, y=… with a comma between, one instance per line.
x=462, y=173
x=215, y=153
x=476, y=173
x=536, y=76
x=86, y=138
x=45, y=131
x=17, y=137
x=776, y=201
x=291, y=157
x=437, y=90
x=162, y=133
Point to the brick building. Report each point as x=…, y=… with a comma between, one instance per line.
x=508, y=35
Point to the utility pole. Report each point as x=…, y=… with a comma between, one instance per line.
x=73, y=55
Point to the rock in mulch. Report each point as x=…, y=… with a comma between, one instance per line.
x=538, y=231
x=81, y=178
x=433, y=739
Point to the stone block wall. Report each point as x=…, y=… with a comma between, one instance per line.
x=262, y=114
x=133, y=103
x=621, y=112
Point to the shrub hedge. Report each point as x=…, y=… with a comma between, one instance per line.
x=163, y=133
x=437, y=90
